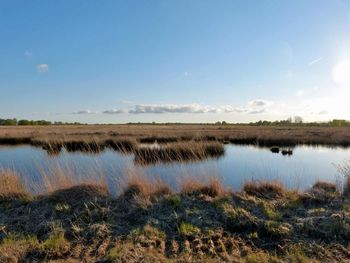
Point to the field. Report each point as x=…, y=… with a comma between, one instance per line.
x=242, y=134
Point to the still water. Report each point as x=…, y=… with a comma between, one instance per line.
x=239, y=164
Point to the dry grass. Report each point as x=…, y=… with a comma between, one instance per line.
x=325, y=186
x=320, y=193
x=241, y=134
x=11, y=187
x=209, y=186
x=139, y=185
x=80, y=192
x=264, y=189
x=180, y=152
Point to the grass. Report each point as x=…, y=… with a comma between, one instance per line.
x=187, y=229
x=239, y=134
x=264, y=189
x=208, y=186
x=85, y=223
x=180, y=152
x=11, y=187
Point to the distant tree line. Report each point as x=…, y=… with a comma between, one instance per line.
x=14, y=122
x=298, y=121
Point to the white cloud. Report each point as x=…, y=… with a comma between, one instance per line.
x=114, y=111
x=172, y=108
x=42, y=68
x=341, y=72
x=315, y=61
x=84, y=112
x=253, y=107
x=259, y=103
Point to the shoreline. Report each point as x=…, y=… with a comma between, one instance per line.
x=202, y=223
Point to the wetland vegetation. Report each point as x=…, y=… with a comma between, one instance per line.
x=148, y=221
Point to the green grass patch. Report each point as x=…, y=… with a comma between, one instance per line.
x=187, y=229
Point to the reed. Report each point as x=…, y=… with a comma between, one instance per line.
x=210, y=186
x=139, y=185
x=11, y=187
x=180, y=152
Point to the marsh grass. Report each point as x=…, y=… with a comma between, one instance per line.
x=210, y=186
x=84, y=223
x=11, y=187
x=267, y=136
x=139, y=185
x=264, y=189
x=180, y=152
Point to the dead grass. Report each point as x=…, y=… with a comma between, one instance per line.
x=85, y=224
x=138, y=185
x=79, y=192
x=264, y=189
x=320, y=193
x=11, y=187
x=239, y=134
x=180, y=152
x=209, y=186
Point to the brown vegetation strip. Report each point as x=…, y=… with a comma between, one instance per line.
x=266, y=136
x=148, y=222
x=180, y=152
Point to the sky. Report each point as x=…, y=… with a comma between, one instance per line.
x=117, y=61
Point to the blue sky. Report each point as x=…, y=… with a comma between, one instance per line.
x=186, y=61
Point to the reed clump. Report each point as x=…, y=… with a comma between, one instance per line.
x=320, y=193
x=211, y=186
x=264, y=189
x=84, y=191
x=11, y=187
x=140, y=186
x=180, y=152
x=123, y=145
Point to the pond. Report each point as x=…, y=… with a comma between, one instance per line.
x=239, y=164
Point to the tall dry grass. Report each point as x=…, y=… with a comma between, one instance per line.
x=11, y=187
x=240, y=134
x=180, y=152
x=210, y=186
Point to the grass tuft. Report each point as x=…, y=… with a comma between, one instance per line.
x=187, y=229
x=268, y=190
x=212, y=187
x=11, y=187
x=79, y=192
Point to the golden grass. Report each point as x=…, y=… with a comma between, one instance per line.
x=208, y=186
x=140, y=185
x=180, y=152
x=11, y=187
x=245, y=134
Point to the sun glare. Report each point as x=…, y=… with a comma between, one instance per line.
x=341, y=72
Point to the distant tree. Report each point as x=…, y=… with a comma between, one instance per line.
x=298, y=119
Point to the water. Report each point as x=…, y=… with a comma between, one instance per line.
x=239, y=164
